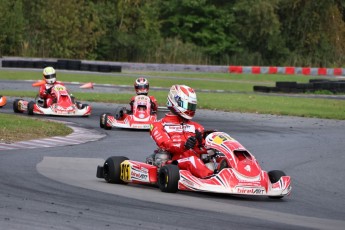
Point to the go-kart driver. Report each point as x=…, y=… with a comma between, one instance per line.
x=178, y=135
x=46, y=98
x=141, y=86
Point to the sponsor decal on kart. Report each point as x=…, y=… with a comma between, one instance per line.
x=139, y=176
x=254, y=191
x=141, y=126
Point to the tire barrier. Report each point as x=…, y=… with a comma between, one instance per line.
x=334, y=86
x=62, y=64
x=287, y=70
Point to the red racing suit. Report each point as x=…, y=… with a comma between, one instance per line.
x=171, y=133
x=154, y=103
x=47, y=96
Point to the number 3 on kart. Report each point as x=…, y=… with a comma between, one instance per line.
x=125, y=171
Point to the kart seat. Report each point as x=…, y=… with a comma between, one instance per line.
x=222, y=165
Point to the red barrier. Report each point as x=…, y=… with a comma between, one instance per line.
x=256, y=69
x=289, y=70
x=322, y=71
x=306, y=70
x=337, y=72
x=272, y=70
x=235, y=69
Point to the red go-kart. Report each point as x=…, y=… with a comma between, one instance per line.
x=63, y=105
x=242, y=175
x=140, y=118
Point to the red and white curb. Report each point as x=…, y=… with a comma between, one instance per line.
x=79, y=136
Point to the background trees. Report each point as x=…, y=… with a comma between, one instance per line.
x=241, y=32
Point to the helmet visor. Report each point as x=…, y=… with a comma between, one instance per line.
x=50, y=76
x=141, y=87
x=186, y=105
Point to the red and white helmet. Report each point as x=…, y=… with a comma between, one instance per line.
x=141, y=86
x=49, y=75
x=182, y=101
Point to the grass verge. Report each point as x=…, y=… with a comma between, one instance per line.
x=243, y=100
x=18, y=128
x=234, y=102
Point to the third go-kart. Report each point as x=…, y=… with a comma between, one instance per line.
x=140, y=118
x=63, y=105
x=242, y=175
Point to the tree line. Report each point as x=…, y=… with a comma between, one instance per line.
x=214, y=32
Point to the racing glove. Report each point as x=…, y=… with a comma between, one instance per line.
x=198, y=136
x=48, y=91
x=190, y=143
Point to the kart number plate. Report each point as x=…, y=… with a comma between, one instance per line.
x=125, y=171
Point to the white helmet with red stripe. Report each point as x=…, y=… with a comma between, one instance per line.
x=141, y=86
x=182, y=101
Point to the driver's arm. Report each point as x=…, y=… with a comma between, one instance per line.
x=163, y=140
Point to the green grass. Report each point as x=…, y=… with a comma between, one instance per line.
x=243, y=100
x=18, y=128
x=235, y=102
x=211, y=81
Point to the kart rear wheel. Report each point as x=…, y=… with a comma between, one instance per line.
x=275, y=176
x=31, y=108
x=112, y=169
x=168, y=178
x=16, y=106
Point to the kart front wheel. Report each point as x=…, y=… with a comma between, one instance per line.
x=106, y=126
x=101, y=120
x=112, y=169
x=31, y=108
x=168, y=178
x=16, y=106
x=275, y=176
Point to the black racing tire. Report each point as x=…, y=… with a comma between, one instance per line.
x=112, y=169
x=16, y=105
x=106, y=121
x=101, y=120
x=31, y=108
x=168, y=178
x=275, y=176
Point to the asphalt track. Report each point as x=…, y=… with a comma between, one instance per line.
x=56, y=188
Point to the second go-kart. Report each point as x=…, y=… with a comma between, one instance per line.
x=241, y=175
x=140, y=118
x=63, y=105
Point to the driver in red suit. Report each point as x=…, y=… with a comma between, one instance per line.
x=178, y=135
x=45, y=96
x=141, y=86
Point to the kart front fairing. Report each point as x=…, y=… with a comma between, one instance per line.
x=140, y=118
x=230, y=182
x=63, y=105
x=242, y=176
